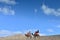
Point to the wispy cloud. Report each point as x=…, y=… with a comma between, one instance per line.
x=7, y=11
x=50, y=11
x=58, y=26
x=35, y=10
x=10, y=2
x=4, y=33
x=50, y=30
x=41, y=34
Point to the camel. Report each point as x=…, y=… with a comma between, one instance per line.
x=28, y=35
x=36, y=34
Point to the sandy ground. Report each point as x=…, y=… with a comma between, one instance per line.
x=22, y=37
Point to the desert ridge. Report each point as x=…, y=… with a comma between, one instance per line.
x=23, y=37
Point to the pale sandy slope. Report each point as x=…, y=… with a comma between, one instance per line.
x=22, y=37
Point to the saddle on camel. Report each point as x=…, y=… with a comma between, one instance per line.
x=36, y=34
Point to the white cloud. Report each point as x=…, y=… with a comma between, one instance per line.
x=7, y=11
x=12, y=2
x=17, y=32
x=50, y=11
x=41, y=34
x=4, y=33
x=50, y=30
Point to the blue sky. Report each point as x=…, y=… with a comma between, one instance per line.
x=20, y=16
